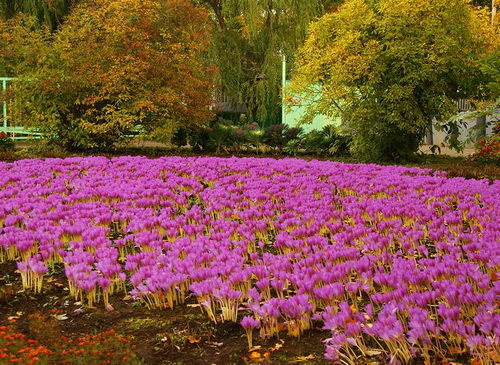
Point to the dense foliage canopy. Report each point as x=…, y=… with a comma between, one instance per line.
x=116, y=66
x=389, y=67
x=46, y=12
x=94, y=70
x=248, y=43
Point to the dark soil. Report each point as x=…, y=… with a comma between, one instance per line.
x=183, y=335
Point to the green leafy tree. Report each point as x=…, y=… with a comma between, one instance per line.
x=490, y=66
x=487, y=109
x=117, y=66
x=48, y=12
x=248, y=43
x=388, y=67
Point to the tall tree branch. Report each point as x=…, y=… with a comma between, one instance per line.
x=217, y=7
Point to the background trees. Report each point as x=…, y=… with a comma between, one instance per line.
x=115, y=66
x=22, y=42
x=389, y=67
x=110, y=67
x=46, y=12
x=248, y=43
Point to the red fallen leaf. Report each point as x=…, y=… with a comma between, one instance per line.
x=192, y=339
x=494, y=276
x=255, y=355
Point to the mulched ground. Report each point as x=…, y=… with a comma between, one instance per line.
x=182, y=335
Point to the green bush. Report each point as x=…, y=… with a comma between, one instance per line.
x=254, y=135
x=219, y=135
x=386, y=143
x=223, y=136
x=278, y=135
x=326, y=142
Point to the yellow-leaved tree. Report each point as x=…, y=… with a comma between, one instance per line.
x=389, y=67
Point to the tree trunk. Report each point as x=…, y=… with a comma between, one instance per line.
x=481, y=127
x=493, y=11
x=429, y=138
x=217, y=7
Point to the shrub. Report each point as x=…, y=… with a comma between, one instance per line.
x=278, y=135
x=117, y=67
x=326, y=142
x=220, y=135
x=488, y=149
x=6, y=143
x=254, y=135
x=273, y=136
x=216, y=136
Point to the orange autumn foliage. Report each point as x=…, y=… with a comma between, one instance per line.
x=118, y=66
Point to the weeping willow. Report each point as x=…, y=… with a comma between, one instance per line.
x=47, y=12
x=250, y=39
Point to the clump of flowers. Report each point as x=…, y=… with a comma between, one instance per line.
x=16, y=348
x=249, y=324
x=49, y=346
x=488, y=149
x=107, y=347
x=32, y=271
x=402, y=262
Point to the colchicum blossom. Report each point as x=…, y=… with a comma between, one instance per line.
x=403, y=259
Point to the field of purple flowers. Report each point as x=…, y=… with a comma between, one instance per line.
x=392, y=261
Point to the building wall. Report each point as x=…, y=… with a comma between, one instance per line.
x=293, y=115
x=438, y=137
x=292, y=118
